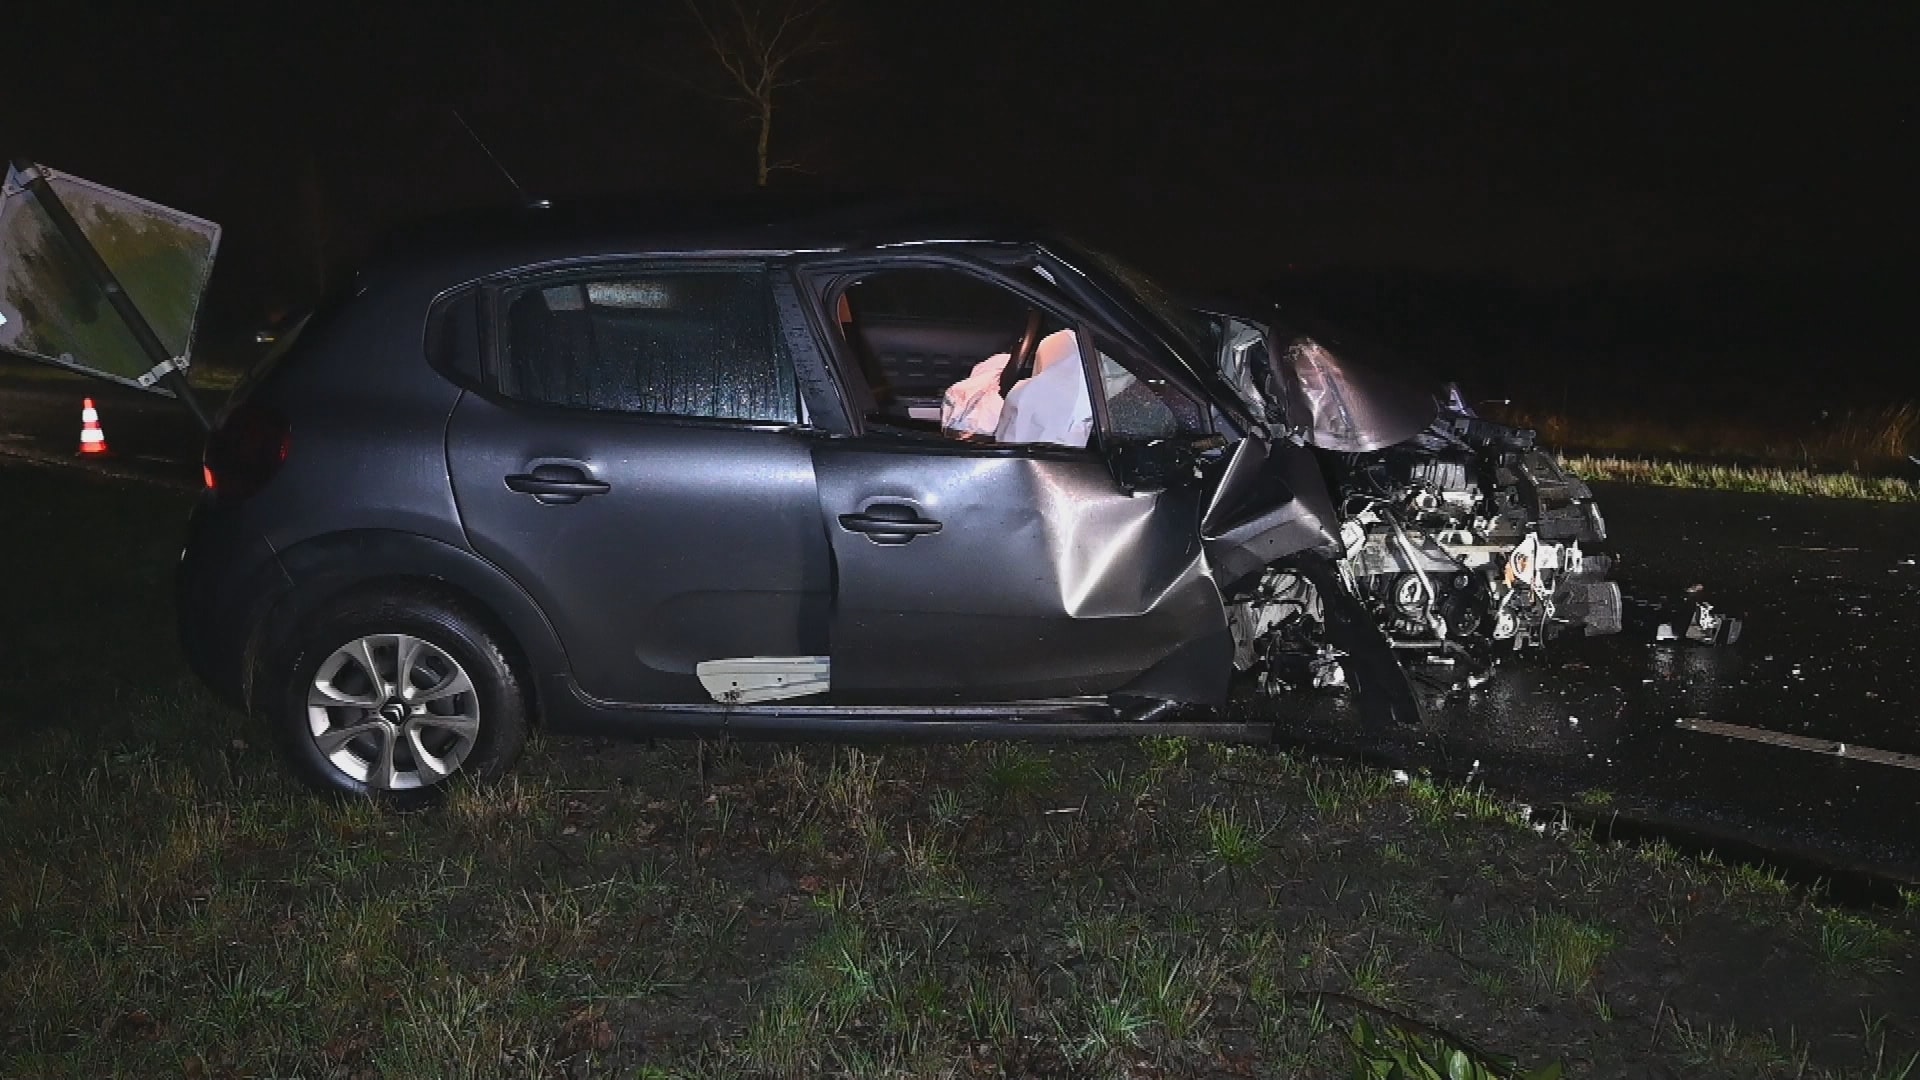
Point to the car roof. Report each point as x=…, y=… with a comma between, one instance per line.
x=477, y=243
x=433, y=256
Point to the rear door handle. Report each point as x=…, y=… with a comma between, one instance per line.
x=889, y=523
x=557, y=484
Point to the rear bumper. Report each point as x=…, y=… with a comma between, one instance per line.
x=228, y=579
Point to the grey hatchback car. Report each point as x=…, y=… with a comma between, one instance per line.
x=829, y=469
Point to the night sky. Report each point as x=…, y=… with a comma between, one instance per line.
x=1524, y=143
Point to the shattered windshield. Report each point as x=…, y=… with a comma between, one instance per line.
x=1193, y=329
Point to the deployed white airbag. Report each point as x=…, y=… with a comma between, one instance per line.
x=972, y=405
x=1052, y=405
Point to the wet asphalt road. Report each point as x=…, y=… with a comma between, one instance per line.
x=1830, y=590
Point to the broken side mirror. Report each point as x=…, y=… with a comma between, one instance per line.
x=1159, y=464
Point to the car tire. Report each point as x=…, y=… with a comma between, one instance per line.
x=396, y=696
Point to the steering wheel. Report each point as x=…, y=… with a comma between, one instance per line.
x=1020, y=362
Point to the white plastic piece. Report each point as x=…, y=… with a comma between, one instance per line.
x=1664, y=632
x=1523, y=563
x=1707, y=619
x=745, y=680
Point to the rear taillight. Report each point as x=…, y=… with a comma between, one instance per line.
x=245, y=452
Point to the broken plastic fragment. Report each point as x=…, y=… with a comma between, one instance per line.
x=748, y=679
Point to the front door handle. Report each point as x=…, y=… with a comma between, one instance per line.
x=889, y=523
x=557, y=484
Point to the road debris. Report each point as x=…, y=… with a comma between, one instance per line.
x=1691, y=618
x=1833, y=747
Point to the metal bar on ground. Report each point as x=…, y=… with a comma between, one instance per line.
x=1830, y=747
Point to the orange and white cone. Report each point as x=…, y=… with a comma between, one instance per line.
x=92, y=439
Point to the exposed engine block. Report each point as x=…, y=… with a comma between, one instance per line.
x=1459, y=542
x=1445, y=555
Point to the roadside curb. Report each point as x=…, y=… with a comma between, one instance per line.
x=109, y=469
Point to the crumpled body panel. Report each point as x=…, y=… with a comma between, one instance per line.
x=1351, y=406
x=1041, y=581
x=1270, y=502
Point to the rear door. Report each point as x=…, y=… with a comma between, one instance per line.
x=632, y=458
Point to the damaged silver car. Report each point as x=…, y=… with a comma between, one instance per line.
x=840, y=470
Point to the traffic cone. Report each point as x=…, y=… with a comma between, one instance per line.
x=92, y=439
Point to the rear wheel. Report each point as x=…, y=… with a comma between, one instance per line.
x=394, y=696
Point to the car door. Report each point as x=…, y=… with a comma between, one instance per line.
x=970, y=572
x=632, y=460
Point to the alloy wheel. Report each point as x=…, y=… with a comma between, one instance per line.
x=393, y=711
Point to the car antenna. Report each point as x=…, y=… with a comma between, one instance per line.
x=485, y=149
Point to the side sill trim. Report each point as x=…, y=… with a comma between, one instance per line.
x=571, y=712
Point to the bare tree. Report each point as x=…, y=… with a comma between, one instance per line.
x=763, y=48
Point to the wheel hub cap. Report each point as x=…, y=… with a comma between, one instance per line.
x=393, y=712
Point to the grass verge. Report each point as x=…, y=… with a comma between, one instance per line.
x=1871, y=439
x=171, y=905
x=1777, y=481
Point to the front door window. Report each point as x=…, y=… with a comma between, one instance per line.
x=939, y=351
x=1141, y=407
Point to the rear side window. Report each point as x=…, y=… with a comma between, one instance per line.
x=453, y=337
x=688, y=342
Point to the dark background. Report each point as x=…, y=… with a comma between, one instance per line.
x=1712, y=199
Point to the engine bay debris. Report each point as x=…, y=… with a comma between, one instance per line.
x=1465, y=543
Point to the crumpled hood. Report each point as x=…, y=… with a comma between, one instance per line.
x=1344, y=402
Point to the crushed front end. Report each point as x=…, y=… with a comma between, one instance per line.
x=1460, y=538
x=1468, y=539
